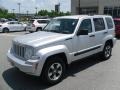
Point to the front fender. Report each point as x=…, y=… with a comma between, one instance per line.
x=49, y=51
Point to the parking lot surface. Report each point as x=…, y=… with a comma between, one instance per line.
x=88, y=74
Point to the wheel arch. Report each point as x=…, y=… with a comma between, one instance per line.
x=38, y=28
x=5, y=28
x=45, y=54
x=61, y=55
x=110, y=41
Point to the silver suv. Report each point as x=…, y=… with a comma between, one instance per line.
x=37, y=24
x=64, y=40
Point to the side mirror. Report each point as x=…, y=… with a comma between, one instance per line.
x=82, y=32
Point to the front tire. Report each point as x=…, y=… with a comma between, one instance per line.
x=5, y=30
x=106, y=54
x=54, y=70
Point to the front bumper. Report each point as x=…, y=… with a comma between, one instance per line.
x=29, y=67
x=114, y=41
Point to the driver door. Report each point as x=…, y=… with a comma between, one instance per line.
x=83, y=41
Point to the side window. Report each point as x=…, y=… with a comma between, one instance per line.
x=18, y=22
x=11, y=22
x=15, y=22
x=99, y=24
x=86, y=25
x=109, y=23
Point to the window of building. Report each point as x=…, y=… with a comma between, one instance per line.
x=89, y=10
x=113, y=11
x=99, y=24
x=109, y=23
x=86, y=25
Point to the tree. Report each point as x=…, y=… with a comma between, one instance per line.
x=4, y=14
x=43, y=13
x=52, y=13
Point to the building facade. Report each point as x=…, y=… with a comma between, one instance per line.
x=110, y=7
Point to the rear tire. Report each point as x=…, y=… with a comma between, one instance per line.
x=54, y=70
x=38, y=29
x=5, y=30
x=106, y=54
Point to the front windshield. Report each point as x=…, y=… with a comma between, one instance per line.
x=65, y=26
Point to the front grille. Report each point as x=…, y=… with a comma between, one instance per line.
x=19, y=50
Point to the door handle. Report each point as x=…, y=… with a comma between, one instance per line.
x=92, y=36
x=105, y=32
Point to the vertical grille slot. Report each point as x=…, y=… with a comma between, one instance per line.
x=19, y=50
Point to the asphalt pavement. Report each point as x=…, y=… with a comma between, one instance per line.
x=86, y=74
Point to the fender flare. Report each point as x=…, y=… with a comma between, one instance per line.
x=46, y=52
x=49, y=51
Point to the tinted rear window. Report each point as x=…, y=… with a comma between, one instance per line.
x=109, y=23
x=99, y=24
x=43, y=21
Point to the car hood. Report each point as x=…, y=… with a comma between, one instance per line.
x=40, y=38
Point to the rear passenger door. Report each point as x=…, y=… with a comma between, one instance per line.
x=100, y=31
x=16, y=27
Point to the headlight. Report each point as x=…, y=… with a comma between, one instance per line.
x=29, y=53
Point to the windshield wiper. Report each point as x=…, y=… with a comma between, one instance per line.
x=65, y=32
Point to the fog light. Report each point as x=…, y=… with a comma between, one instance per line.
x=35, y=57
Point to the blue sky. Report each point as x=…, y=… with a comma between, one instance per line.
x=31, y=4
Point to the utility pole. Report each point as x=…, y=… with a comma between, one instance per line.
x=19, y=4
x=36, y=10
x=13, y=11
x=27, y=12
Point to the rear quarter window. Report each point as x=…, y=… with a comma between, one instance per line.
x=109, y=23
x=99, y=24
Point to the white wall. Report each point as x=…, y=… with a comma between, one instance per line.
x=89, y=3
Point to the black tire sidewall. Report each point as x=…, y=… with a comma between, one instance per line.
x=103, y=53
x=38, y=29
x=46, y=68
x=5, y=30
